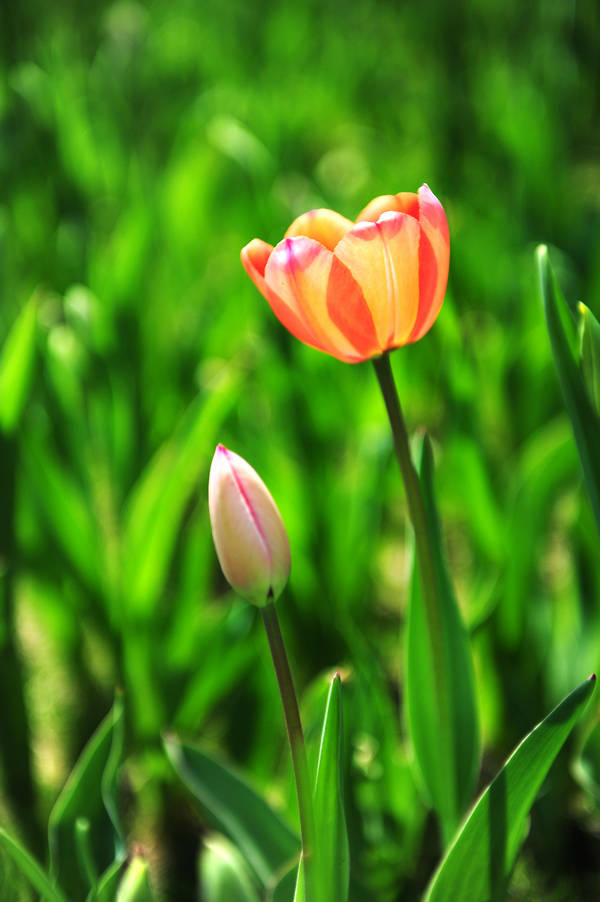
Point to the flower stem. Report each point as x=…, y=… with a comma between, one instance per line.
x=418, y=516
x=296, y=740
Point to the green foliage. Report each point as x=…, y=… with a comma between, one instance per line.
x=481, y=858
x=142, y=146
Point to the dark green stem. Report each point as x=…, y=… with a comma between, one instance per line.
x=418, y=516
x=296, y=740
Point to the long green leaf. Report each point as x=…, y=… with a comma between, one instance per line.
x=82, y=798
x=106, y=888
x=29, y=867
x=224, y=873
x=446, y=749
x=479, y=862
x=236, y=809
x=332, y=854
x=17, y=359
x=584, y=420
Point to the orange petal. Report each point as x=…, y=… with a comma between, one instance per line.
x=325, y=226
x=255, y=257
x=406, y=202
x=299, y=272
x=434, y=261
x=383, y=257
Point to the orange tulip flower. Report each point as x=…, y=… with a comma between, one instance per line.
x=356, y=290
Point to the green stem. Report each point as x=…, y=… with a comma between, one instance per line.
x=418, y=516
x=296, y=740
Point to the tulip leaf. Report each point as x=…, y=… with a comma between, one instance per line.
x=224, y=873
x=82, y=800
x=332, y=855
x=30, y=869
x=17, y=359
x=584, y=419
x=236, y=809
x=446, y=748
x=478, y=864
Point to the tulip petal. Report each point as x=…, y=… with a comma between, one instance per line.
x=383, y=257
x=300, y=271
x=254, y=259
x=325, y=226
x=405, y=202
x=434, y=261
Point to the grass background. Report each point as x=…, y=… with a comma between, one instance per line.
x=141, y=146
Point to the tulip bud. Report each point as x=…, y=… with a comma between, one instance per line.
x=248, y=532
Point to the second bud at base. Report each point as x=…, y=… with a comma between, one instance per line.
x=249, y=535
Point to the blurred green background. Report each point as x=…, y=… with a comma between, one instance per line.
x=141, y=146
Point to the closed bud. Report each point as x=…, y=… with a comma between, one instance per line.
x=248, y=532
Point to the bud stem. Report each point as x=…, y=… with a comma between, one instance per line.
x=296, y=740
x=418, y=517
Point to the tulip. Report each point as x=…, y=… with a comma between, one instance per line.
x=356, y=290
x=248, y=532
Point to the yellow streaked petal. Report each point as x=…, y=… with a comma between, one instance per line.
x=298, y=272
x=325, y=226
x=383, y=257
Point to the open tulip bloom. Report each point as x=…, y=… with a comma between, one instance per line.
x=357, y=289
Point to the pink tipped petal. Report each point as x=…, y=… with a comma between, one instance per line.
x=325, y=226
x=255, y=257
x=383, y=258
x=248, y=531
x=434, y=261
x=298, y=272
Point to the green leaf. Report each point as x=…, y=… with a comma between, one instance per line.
x=332, y=856
x=158, y=501
x=236, y=809
x=135, y=885
x=589, y=353
x=81, y=799
x=17, y=359
x=584, y=420
x=106, y=888
x=224, y=873
x=478, y=864
x=29, y=867
x=444, y=730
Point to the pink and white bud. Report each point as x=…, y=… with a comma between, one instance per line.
x=248, y=532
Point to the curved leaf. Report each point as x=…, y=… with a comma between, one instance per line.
x=478, y=864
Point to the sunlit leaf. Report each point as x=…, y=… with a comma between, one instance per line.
x=135, y=885
x=17, y=357
x=589, y=353
x=479, y=862
x=224, y=873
